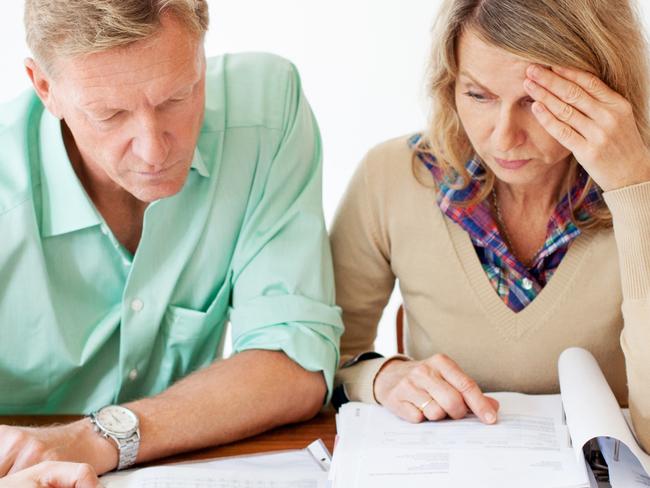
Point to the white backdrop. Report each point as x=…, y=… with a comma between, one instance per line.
x=362, y=64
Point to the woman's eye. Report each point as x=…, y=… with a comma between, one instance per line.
x=476, y=96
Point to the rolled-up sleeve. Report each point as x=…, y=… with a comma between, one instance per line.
x=283, y=284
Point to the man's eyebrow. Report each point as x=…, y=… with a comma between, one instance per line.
x=186, y=88
x=469, y=75
x=99, y=105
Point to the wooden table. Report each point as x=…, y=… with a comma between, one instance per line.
x=295, y=436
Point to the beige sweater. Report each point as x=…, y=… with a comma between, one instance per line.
x=389, y=226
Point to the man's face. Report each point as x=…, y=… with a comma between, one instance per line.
x=135, y=113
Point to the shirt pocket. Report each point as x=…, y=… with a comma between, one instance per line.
x=188, y=325
x=192, y=339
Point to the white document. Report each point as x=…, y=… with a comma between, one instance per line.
x=303, y=468
x=626, y=472
x=591, y=408
x=191, y=477
x=533, y=444
x=529, y=446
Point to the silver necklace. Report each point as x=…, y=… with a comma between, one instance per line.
x=502, y=226
x=497, y=211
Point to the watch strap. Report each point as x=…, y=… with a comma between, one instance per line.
x=128, y=450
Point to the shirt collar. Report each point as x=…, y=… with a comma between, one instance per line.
x=66, y=206
x=199, y=165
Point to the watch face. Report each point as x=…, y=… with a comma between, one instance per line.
x=117, y=420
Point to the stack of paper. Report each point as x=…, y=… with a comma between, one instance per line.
x=304, y=468
x=529, y=446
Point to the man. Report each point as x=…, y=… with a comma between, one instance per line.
x=146, y=197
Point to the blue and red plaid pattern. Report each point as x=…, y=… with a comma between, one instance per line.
x=516, y=283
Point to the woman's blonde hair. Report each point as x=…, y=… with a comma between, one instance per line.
x=604, y=37
x=65, y=28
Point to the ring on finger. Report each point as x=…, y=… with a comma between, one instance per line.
x=424, y=405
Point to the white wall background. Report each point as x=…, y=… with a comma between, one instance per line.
x=362, y=64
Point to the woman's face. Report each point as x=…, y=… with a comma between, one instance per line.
x=496, y=114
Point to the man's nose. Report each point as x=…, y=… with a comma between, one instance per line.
x=151, y=143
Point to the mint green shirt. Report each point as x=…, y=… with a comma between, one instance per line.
x=83, y=323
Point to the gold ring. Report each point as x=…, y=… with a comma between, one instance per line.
x=424, y=405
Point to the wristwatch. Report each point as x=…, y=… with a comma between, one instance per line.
x=120, y=425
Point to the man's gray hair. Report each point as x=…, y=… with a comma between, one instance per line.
x=66, y=28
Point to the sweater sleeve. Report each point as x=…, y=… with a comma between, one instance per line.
x=630, y=208
x=363, y=276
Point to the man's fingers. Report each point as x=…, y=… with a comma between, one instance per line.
x=64, y=475
x=32, y=452
x=10, y=442
x=472, y=395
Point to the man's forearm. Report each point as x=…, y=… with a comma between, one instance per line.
x=233, y=398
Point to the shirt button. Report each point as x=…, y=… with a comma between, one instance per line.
x=126, y=262
x=526, y=284
x=133, y=374
x=137, y=305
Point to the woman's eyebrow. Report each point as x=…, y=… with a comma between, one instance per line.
x=473, y=80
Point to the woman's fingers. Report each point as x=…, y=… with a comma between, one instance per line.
x=432, y=389
x=563, y=110
x=561, y=131
x=494, y=402
x=450, y=400
x=590, y=83
x=472, y=395
x=566, y=91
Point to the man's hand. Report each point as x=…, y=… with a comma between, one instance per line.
x=22, y=447
x=431, y=390
x=53, y=475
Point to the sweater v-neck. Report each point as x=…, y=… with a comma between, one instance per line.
x=513, y=324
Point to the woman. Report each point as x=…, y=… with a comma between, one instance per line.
x=503, y=222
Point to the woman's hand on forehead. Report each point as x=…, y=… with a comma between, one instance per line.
x=591, y=120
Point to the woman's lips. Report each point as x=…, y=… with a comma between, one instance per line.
x=511, y=163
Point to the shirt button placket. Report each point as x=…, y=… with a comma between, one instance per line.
x=137, y=305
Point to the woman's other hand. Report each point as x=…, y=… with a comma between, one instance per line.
x=592, y=121
x=431, y=389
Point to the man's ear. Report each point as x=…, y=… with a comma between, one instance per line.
x=42, y=83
